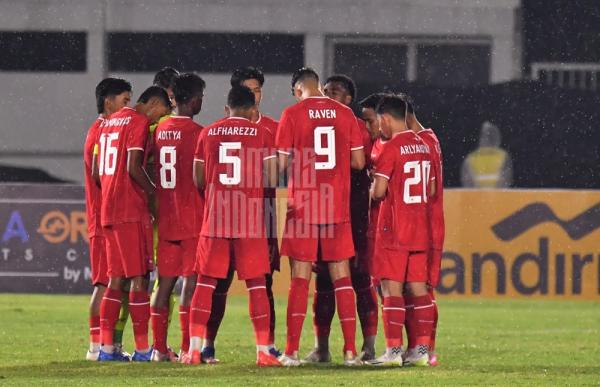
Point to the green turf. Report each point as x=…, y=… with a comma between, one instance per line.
x=43, y=340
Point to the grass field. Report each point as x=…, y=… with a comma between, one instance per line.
x=44, y=339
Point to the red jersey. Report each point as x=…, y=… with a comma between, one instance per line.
x=269, y=124
x=233, y=151
x=436, y=203
x=367, y=142
x=180, y=207
x=93, y=194
x=374, y=156
x=403, y=220
x=122, y=199
x=321, y=133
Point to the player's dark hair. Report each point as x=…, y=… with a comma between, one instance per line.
x=186, y=86
x=304, y=73
x=240, y=97
x=243, y=74
x=346, y=81
x=393, y=105
x=110, y=87
x=155, y=92
x=371, y=101
x=410, y=107
x=165, y=77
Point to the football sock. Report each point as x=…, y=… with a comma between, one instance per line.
x=423, y=315
x=109, y=313
x=122, y=321
x=435, y=322
x=269, y=282
x=393, y=320
x=219, y=301
x=346, y=308
x=410, y=325
x=200, y=309
x=94, y=333
x=160, y=317
x=258, y=306
x=184, y=322
x=323, y=309
x=139, y=308
x=296, y=312
x=366, y=304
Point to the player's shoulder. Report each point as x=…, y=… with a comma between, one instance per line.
x=267, y=121
x=96, y=124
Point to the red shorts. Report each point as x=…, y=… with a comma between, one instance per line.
x=399, y=265
x=176, y=258
x=129, y=249
x=248, y=256
x=301, y=241
x=434, y=266
x=98, y=261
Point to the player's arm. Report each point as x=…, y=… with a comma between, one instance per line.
x=357, y=160
x=95, y=166
x=357, y=146
x=379, y=188
x=271, y=171
x=135, y=158
x=199, y=175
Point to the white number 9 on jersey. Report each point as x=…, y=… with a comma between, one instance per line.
x=168, y=173
x=420, y=175
x=328, y=151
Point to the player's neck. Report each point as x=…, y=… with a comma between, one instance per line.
x=184, y=111
x=256, y=116
x=308, y=93
x=399, y=130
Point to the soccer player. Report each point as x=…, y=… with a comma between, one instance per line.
x=126, y=192
x=437, y=229
x=165, y=78
x=234, y=161
x=324, y=140
x=179, y=211
x=112, y=94
x=341, y=88
x=403, y=180
x=254, y=79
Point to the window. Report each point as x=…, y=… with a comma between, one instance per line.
x=43, y=51
x=204, y=52
x=365, y=61
x=453, y=64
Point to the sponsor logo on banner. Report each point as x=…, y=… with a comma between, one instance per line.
x=522, y=243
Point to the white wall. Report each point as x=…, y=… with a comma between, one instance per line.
x=44, y=116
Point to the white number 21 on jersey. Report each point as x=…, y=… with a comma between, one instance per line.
x=328, y=151
x=420, y=175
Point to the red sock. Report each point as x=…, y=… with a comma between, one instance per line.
x=410, y=323
x=346, y=307
x=94, y=329
x=139, y=310
x=323, y=306
x=424, y=315
x=366, y=306
x=393, y=320
x=160, y=322
x=296, y=312
x=259, y=308
x=435, y=321
x=109, y=314
x=184, y=322
x=219, y=301
x=201, y=304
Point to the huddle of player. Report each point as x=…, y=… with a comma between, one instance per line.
x=364, y=213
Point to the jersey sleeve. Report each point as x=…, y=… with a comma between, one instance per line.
x=269, y=145
x=386, y=163
x=356, y=138
x=199, y=152
x=284, y=140
x=137, y=137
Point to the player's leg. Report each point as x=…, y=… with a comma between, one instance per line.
x=139, y=309
x=219, y=303
x=366, y=306
x=200, y=313
x=272, y=321
x=160, y=317
x=187, y=290
x=323, y=312
x=393, y=321
x=258, y=305
x=94, y=322
x=123, y=317
x=432, y=354
x=433, y=272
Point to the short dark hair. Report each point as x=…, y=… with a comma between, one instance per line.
x=410, y=107
x=393, y=105
x=346, y=81
x=372, y=100
x=165, y=77
x=243, y=74
x=110, y=87
x=155, y=92
x=304, y=73
x=240, y=97
x=186, y=86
